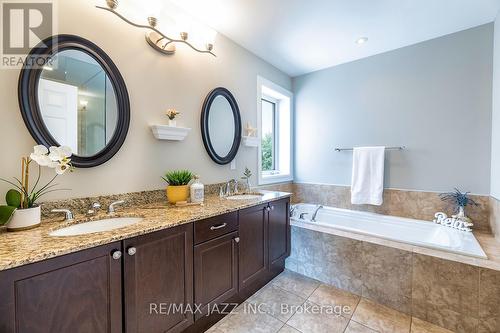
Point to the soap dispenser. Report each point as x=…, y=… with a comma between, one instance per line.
x=197, y=191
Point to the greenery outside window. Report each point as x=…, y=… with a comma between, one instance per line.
x=269, y=134
x=275, y=128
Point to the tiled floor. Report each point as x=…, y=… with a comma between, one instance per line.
x=293, y=303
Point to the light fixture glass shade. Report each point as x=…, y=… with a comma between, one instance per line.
x=183, y=24
x=210, y=35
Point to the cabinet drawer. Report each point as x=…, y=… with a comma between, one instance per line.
x=214, y=227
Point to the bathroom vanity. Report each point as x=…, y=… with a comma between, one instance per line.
x=129, y=283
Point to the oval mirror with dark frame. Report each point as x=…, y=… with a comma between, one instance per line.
x=77, y=98
x=221, y=125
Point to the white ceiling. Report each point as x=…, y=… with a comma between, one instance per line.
x=300, y=36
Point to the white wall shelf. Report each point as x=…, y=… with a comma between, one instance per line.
x=164, y=132
x=250, y=141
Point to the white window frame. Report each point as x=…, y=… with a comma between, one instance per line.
x=268, y=89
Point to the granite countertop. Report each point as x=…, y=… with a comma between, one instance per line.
x=25, y=247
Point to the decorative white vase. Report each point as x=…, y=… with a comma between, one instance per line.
x=461, y=216
x=24, y=219
x=172, y=123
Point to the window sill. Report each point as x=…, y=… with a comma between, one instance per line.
x=274, y=179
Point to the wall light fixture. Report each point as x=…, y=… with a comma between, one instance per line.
x=155, y=38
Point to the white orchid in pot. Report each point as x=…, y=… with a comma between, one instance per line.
x=22, y=211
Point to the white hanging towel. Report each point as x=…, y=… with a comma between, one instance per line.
x=367, y=185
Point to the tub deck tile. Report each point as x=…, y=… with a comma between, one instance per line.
x=387, y=276
x=446, y=293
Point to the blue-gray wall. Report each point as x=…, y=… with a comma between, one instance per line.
x=434, y=97
x=495, y=140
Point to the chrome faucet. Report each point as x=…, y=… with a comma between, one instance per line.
x=313, y=218
x=228, y=187
x=111, y=208
x=302, y=215
x=94, y=208
x=68, y=215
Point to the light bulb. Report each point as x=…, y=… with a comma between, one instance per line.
x=209, y=35
x=361, y=40
x=184, y=26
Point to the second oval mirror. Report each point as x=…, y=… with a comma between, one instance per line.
x=221, y=125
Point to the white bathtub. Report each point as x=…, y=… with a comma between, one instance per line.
x=399, y=229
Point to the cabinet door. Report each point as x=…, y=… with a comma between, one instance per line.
x=158, y=278
x=215, y=271
x=253, y=248
x=279, y=235
x=78, y=292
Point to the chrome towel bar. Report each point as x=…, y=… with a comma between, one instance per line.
x=387, y=148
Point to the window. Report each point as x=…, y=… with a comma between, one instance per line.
x=275, y=125
x=269, y=137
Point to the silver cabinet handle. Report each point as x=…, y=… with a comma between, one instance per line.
x=131, y=251
x=220, y=226
x=116, y=255
x=237, y=239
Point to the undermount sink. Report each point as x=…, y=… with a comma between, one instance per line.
x=95, y=226
x=245, y=196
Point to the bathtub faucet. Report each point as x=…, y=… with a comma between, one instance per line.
x=313, y=218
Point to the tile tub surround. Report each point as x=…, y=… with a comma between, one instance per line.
x=495, y=216
x=412, y=204
x=459, y=297
x=364, y=316
x=24, y=247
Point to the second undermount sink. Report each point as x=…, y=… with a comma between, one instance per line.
x=95, y=226
x=245, y=196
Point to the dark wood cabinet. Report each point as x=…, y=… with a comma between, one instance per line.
x=151, y=283
x=78, y=292
x=253, y=248
x=215, y=271
x=214, y=227
x=279, y=235
x=158, y=280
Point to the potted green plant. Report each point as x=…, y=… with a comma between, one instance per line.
x=178, y=189
x=21, y=211
x=460, y=201
x=246, y=177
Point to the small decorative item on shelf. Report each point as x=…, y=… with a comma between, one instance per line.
x=171, y=114
x=460, y=200
x=246, y=177
x=250, y=131
x=250, y=138
x=170, y=132
x=22, y=211
x=178, y=189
